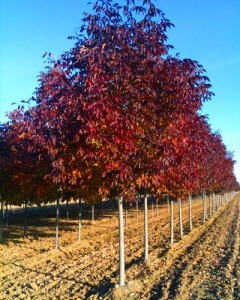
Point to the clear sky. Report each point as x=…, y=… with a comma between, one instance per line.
x=205, y=30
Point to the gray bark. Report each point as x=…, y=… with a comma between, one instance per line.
x=57, y=224
x=204, y=207
x=190, y=211
x=121, y=243
x=79, y=219
x=145, y=228
x=171, y=223
x=137, y=211
x=67, y=210
x=213, y=203
x=126, y=215
x=25, y=220
x=7, y=214
x=1, y=220
x=180, y=216
x=152, y=208
x=93, y=218
x=102, y=208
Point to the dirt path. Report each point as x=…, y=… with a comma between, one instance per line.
x=204, y=265
x=30, y=269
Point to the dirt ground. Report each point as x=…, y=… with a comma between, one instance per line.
x=204, y=264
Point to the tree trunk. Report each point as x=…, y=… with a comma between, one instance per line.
x=79, y=219
x=137, y=211
x=7, y=214
x=1, y=220
x=102, y=208
x=190, y=211
x=157, y=207
x=180, y=216
x=214, y=203
x=211, y=199
x=25, y=220
x=121, y=243
x=57, y=224
x=171, y=223
x=204, y=207
x=93, y=213
x=145, y=228
x=152, y=207
x=67, y=210
x=210, y=206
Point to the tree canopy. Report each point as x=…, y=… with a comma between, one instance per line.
x=115, y=114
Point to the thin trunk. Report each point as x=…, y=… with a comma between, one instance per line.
x=214, y=203
x=7, y=214
x=93, y=213
x=210, y=206
x=157, y=207
x=79, y=219
x=204, y=208
x=1, y=220
x=212, y=197
x=180, y=216
x=171, y=223
x=67, y=210
x=152, y=208
x=57, y=224
x=190, y=211
x=137, y=211
x=145, y=228
x=121, y=243
x=25, y=220
x=102, y=208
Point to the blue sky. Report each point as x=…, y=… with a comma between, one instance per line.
x=208, y=31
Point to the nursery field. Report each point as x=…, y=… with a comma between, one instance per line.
x=204, y=264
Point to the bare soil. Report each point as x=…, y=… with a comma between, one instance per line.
x=204, y=264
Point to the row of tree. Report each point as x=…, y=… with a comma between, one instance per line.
x=114, y=116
